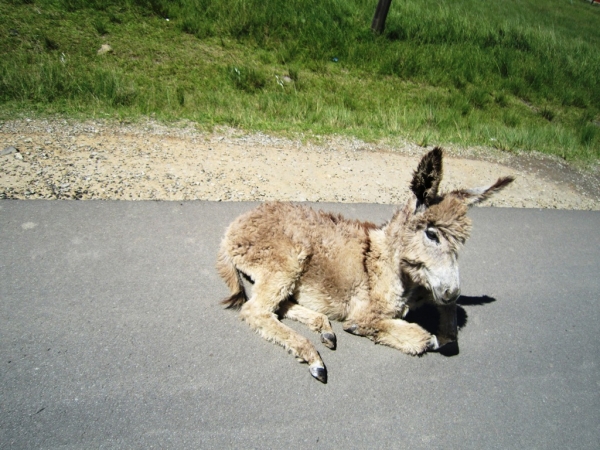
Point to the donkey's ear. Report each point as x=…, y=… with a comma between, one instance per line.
x=427, y=177
x=476, y=195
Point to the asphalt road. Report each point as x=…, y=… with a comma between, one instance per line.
x=112, y=336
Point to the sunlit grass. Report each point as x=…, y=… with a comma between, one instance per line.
x=511, y=75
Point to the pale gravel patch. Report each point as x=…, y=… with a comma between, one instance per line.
x=152, y=161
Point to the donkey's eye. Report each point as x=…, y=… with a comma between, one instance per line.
x=432, y=235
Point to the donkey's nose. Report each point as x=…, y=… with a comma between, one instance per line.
x=450, y=295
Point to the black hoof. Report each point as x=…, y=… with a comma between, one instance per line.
x=352, y=329
x=320, y=373
x=329, y=340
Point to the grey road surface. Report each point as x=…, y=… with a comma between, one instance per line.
x=112, y=336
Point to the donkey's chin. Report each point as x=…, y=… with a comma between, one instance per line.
x=442, y=298
x=435, y=296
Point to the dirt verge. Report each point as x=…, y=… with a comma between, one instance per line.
x=149, y=161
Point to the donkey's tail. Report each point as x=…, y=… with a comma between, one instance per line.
x=233, y=279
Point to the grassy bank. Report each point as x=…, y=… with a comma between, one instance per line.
x=516, y=75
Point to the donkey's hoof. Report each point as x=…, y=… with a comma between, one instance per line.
x=329, y=340
x=352, y=329
x=433, y=343
x=320, y=373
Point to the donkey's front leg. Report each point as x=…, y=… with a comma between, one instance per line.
x=407, y=337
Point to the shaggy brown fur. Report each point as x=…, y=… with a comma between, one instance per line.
x=311, y=266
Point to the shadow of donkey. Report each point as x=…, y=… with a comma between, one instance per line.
x=428, y=317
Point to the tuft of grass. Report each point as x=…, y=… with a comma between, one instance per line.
x=511, y=119
x=501, y=99
x=547, y=114
x=246, y=78
x=50, y=44
x=293, y=73
x=588, y=134
x=180, y=96
x=100, y=25
x=479, y=98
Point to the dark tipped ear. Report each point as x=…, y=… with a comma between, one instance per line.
x=476, y=195
x=427, y=177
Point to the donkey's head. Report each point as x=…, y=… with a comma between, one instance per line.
x=434, y=226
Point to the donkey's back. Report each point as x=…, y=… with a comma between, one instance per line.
x=317, y=257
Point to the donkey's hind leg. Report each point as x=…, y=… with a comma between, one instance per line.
x=268, y=293
x=314, y=320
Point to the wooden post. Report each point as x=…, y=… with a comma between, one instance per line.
x=381, y=13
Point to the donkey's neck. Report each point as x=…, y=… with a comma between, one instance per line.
x=383, y=267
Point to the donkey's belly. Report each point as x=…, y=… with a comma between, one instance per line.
x=334, y=304
x=330, y=282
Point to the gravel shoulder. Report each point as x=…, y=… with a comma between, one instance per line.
x=50, y=159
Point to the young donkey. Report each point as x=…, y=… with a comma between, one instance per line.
x=313, y=266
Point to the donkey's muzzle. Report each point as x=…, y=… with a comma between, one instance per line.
x=450, y=295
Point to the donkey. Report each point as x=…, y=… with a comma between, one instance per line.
x=311, y=266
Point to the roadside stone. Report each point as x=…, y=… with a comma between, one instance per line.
x=8, y=151
x=105, y=49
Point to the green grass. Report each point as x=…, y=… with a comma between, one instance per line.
x=517, y=75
